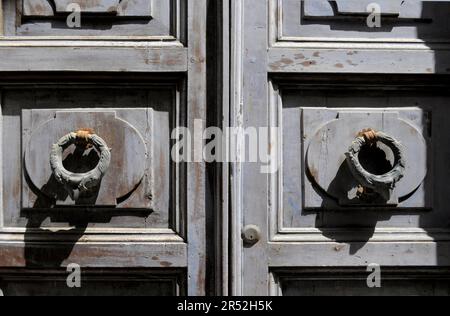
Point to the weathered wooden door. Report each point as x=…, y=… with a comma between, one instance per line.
x=90, y=94
x=323, y=74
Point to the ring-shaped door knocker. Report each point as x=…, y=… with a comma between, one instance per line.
x=378, y=183
x=77, y=183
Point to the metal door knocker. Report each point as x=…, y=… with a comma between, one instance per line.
x=371, y=183
x=79, y=183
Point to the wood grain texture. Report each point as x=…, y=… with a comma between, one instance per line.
x=95, y=282
x=126, y=170
x=159, y=19
x=92, y=255
x=76, y=59
x=327, y=134
x=353, y=282
x=411, y=21
x=254, y=114
x=142, y=121
x=325, y=65
x=196, y=172
x=349, y=60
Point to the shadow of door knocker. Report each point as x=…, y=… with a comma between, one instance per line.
x=385, y=184
x=77, y=184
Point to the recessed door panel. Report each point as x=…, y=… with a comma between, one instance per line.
x=94, y=283
x=399, y=21
x=137, y=185
x=354, y=283
x=162, y=20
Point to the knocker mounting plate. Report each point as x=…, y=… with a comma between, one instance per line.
x=114, y=171
x=344, y=171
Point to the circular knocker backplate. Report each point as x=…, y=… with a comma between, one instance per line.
x=79, y=183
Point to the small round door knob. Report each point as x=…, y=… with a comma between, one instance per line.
x=251, y=234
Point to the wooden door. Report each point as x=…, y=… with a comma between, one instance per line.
x=112, y=201
x=321, y=74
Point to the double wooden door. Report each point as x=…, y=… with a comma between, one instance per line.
x=93, y=96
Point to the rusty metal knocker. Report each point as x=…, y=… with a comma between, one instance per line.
x=381, y=184
x=77, y=183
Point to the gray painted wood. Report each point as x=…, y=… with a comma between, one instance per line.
x=326, y=142
x=294, y=237
x=359, y=60
x=92, y=59
x=140, y=8
x=98, y=18
x=401, y=21
x=127, y=168
x=164, y=236
x=94, y=255
x=108, y=282
x=148, y=179
x=92, y=286
x=196, y=171
x=272, y=50
x=324, y=8
x=353, y=282
x=333, y=255
x=253, y=108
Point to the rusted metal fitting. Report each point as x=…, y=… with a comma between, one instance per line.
x=370, y=136
x=83, y=139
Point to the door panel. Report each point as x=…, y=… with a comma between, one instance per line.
x=323, y=21
x=108, y=283
x=127, y=19
x=354, y=283
x=324, y=88
x=140, y=179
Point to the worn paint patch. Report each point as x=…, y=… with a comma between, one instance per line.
x=282, y=63
x=309, y=63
